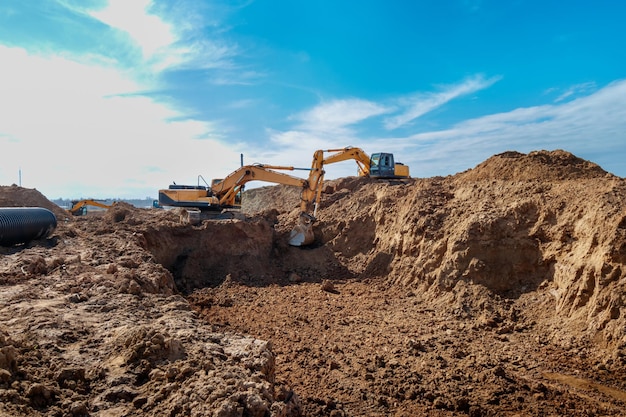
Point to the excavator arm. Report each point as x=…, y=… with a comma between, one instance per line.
x=378, y=165
x=360, y=157
x=227, y=189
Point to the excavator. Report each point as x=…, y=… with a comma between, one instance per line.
x=205, y=201
x=224, y=194
x=379, y=165
x=79, y=207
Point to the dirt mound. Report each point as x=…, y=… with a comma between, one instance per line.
x=14, y=196
x=497, y=291
x=515, y=224
x=537, y=165
x=540, y=236
x=93, y=325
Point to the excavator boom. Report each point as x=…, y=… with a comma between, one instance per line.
x=227, y=189
x=343, y=154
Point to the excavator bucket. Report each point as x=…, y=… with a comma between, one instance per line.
x=189, y=216
x=302, y=234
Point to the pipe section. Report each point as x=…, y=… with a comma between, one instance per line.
x=23, y=224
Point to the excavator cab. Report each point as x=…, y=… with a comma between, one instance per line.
x=382, y=165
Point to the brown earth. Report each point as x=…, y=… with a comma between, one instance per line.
x=499, y=291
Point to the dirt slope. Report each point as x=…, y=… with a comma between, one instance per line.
x=91, y=324
x=520, y=244
x=497, y=291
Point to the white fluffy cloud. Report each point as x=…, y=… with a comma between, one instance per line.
x=592, y=127
x=150, y=32
x=76, y=126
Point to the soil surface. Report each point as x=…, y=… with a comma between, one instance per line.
x=498, y=291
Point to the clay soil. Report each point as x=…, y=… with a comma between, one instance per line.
x=499, y=291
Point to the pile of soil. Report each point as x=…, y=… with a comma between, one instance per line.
x=500, y=290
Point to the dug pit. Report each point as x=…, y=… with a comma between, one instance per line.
x=250, y=252
x=204, y=255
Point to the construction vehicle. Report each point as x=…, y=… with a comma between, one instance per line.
x=79, y=207
x=379, y=165
x=222, y=195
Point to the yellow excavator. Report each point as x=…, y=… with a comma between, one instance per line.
x=79, y=207
x=224, y=194
x=379, y=165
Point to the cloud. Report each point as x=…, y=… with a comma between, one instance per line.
x=150, y=32
x=327, y=125
x=336, y=115
x=422, y=103
x=233, y=76
x=330, y=125
x=85, y=119
x=243, y=103
x=338, y=123
x=589, y=113
x=168, y=39
x=71, y=125
x=577, y=89
x=592, y=127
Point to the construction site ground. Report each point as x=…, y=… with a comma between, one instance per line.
x=498, y=291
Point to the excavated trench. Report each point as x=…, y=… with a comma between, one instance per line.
x=457, y=234
x=249, y=252
x=252, y=252
x=204, y=256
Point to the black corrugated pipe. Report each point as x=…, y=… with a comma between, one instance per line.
x=23, y=224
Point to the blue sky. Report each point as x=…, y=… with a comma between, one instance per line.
x=119, y=98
